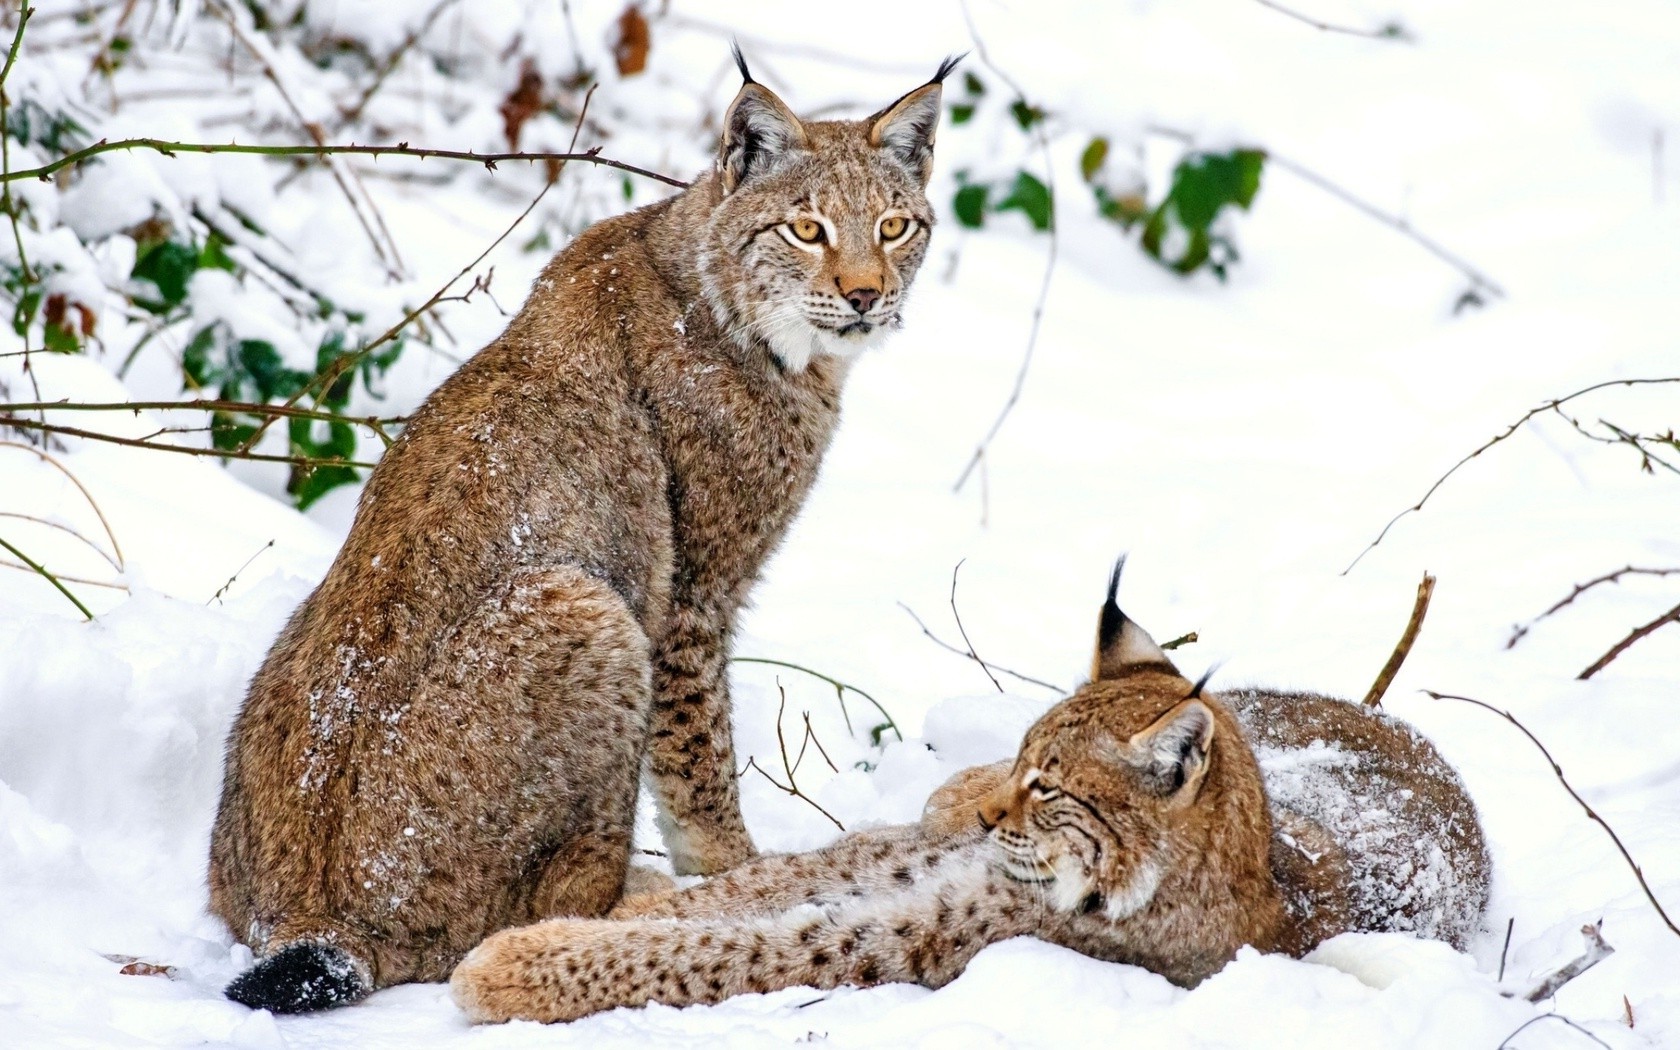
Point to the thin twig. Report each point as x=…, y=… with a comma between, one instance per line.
x=41, y=570
x=964, y=631
x=384, y=245
x=1546, y=406
x=224, y=587
x=980, y=450
x=943, y=644
x=1403, y=648
x=1671, y=616
x=68, y=578
x=1188, y=638
x=840, y=688
x=792, y=786
x=74, y=534
x=387, y=67
x=376, y=424
x=1521, y=630
x=1391, y=31
x=401, y=149
x=1505, y=1043
x=12, y=207
x=1478, y=279
x=1592, y=813
x=116, y=548
x=1597, y=951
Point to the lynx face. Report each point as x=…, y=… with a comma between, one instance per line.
x=821, y=226
x=1090, y=808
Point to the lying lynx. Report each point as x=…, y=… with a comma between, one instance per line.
x=541, y=583
x=1133, y=826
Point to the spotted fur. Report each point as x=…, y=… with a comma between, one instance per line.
x=1133, y=826
x=538, y=594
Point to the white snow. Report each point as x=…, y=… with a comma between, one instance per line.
x=1244, y=442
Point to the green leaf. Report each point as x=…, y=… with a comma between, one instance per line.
x=257, y=359
x=214, y=256
x=311, y=483
x=169, y=266
x=228, y=433
x=970, y=205
x=1026, y=116
x=1031, y=197
x=28, y=303
x=195, y=359
x=1092, y=160
x=961, y=112
x=973, y=84
x=60, y=339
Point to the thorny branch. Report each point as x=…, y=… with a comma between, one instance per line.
x=377, y=424
x=979, y=455
x=1520, y=631
x=187, y=450
x=1546, y=406
x=402, y=149
x=1403, y=648
x=943, y=644
x=1591, y=813
x=47, y=575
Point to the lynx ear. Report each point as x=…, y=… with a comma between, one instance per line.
x=1173, y=752
x=759, y=132
x=906, y=128
x=1121, y=643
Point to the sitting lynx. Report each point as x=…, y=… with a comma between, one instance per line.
x=1133, y=826
x=542, y=580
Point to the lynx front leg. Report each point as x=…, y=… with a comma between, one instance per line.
x=691, y=750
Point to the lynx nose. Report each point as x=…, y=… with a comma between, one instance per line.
x=862, y=299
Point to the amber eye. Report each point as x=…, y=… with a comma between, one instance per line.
x=893, y=227
x=808, y=230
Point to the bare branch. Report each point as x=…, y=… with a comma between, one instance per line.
x=116, y=548
x=1420, y=607
x=1049, y=265
x=1671, y=616
x=1521, y=630
x=1505, y=1043
x=840, y=688
x=387, y=67
x=1591, y=813
x=223, y=589
x=943, y=644
x=964, y=631
x=1391, y=31
x=1546, y=406
x=788, y=766
x=186, y=450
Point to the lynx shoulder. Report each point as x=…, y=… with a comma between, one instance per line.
x=541, y=583
x=1133, y=826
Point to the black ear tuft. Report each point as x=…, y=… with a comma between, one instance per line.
x=1196, y=690
x=945, y=67
x=1112, y=619
x=741, y=62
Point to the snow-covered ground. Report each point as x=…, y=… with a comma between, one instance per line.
x=1244, y=442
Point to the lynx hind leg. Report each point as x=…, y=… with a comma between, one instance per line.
x=954, y=806
x=691, y=750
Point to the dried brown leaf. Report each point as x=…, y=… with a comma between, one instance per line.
x=630, y=52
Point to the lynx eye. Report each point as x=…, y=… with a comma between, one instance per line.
x=810, y=231
x=1035, y=784
x=893, y=227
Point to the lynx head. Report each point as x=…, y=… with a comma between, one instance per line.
x=1134, y=776
x=820, y=225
